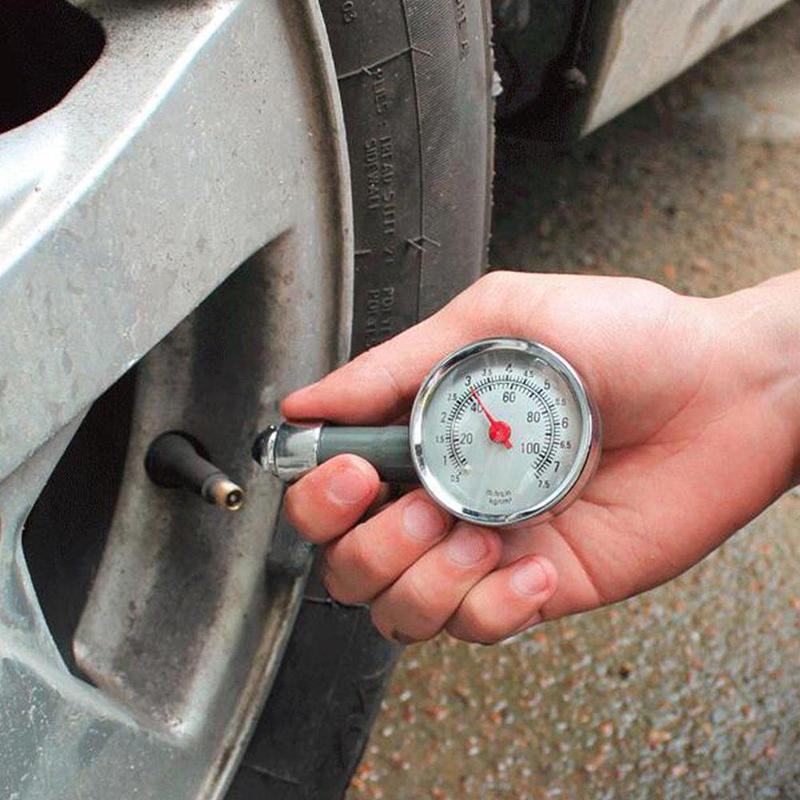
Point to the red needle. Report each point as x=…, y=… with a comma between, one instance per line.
x=499, y=431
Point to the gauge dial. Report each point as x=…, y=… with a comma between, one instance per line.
x=503, y=431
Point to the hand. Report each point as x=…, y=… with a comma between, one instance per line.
x=701, y=432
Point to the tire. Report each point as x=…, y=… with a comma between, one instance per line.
x=415, y=79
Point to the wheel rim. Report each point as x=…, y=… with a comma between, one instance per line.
x=185, y=621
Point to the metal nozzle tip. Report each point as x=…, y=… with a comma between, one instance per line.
x=225, y=494
x=264, y=448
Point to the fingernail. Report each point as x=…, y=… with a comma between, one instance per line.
x=349, y=486
x=529, y=578
x=422, y=521
x=467, y=546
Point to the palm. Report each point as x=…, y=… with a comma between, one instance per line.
x=686, y=463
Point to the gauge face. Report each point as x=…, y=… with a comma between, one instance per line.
x=503, y=431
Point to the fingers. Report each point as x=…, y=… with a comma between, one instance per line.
x=419, y=578
x=505, y=602
x=375, y=553
x=331, y=499
x=421, y=601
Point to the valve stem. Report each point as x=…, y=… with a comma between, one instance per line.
x=176, y=460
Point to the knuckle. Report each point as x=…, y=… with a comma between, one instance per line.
x=494, y=541
x=332, y=586
x=338, y=578
x=495, y=286
x=472, y=626
x=485, y=304
x=492, y=281
x=401, y=611
x=330, y=579
x=294, y=503
x=418, y=596
x=363, y=561
x=338, y=592
x=651, y=289
x=494, y=547
x=423, y=608
x=379, y=621
x=375, y=360
x=342, y=592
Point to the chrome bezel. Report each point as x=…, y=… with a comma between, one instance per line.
x=290, y=450
x=568, y=489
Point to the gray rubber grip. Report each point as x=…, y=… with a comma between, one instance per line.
x=387, y=449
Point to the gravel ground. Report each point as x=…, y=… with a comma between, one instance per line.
x=692, y=690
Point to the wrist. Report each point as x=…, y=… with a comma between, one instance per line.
x=761, y=338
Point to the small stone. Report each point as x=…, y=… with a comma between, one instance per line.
x=436, y=712
x=703, y=265
x=593, y=764
x=657, y=737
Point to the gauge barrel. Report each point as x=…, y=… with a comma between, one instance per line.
x=387, y=449
x=289, y=451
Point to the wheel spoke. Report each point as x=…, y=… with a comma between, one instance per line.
x=165, y=176
x=21, y=622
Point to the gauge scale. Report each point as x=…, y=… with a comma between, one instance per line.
x=502, y=431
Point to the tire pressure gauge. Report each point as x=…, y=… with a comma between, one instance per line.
x=502, y=431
